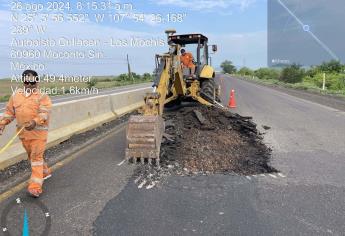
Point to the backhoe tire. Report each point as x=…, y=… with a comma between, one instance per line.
x=208, y=90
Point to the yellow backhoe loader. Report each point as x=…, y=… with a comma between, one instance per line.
x=173, y=83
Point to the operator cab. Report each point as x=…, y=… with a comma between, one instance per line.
x=201, y=49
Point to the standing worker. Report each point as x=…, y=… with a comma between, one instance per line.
x=31, y=109
x=187, y=61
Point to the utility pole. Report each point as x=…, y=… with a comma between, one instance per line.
x=129, y=69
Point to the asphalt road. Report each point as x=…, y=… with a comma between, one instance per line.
x=69, y=97
x=93, y=194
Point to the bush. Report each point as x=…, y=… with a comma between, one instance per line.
x=136, y=76
x=92, y=83
x=339, y=84
x=313, y=71
x=292, y=74
x=332, y=66
x=107, y=79
x=267, y=74
x=333, y=81
x=5, y=98
x=147, y=77
x=246, y=71
x=228, y=67
x=122, y=77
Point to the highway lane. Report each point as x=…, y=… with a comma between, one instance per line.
x=78, y=191
x=93, y=193
x=305, y=136
x=306, y=199
x=69, y=97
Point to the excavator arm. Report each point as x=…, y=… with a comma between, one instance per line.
x=145, y=131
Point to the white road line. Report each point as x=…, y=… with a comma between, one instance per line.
x=281, y=175
x=151, y=185
x=137, y=179
x=142, y=184
x=273, y=176
x=121, y=162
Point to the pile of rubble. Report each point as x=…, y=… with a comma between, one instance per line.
x=207, y=140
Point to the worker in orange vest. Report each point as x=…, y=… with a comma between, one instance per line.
x=187, y=61
x=31, y=109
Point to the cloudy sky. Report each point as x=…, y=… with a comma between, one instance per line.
x=238, y=27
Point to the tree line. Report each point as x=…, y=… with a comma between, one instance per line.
x=293, y=74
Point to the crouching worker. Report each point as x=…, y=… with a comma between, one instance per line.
x=31, y=109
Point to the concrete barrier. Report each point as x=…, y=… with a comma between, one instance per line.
x=75, y=117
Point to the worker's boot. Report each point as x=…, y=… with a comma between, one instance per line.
x=35, y=192
x=38, y=168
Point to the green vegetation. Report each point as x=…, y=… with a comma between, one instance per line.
x=66, y=86
x=246, y=71
x=294, y=76
x=91, y=84
x=228, y=67
x=4, y=98
x=267, y=74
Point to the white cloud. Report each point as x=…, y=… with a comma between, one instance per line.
x=208, y=5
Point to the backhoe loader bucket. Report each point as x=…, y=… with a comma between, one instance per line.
x=144, y=137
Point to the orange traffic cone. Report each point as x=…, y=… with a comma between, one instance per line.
x=232, y=100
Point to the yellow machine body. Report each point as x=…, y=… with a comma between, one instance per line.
x=207, y=72
x=145, y=131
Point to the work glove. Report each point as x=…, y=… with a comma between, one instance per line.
x=30, y=125
x=2, y=128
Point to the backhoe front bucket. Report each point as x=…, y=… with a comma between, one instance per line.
x=144, y=137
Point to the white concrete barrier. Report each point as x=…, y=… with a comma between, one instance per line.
x=75, y=117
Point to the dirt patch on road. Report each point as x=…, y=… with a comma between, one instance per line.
x=208, y=140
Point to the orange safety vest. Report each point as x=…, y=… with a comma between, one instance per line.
x=187, y=60
x=36, y=106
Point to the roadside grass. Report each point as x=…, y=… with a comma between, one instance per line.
x=305, y=85
x=4, y=98
x=101, y=82
x=327, y=78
